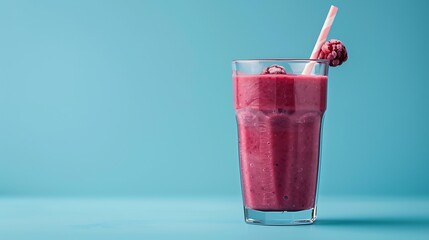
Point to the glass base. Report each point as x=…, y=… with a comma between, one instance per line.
x=280, y=217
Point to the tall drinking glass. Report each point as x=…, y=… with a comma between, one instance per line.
x=279, y=119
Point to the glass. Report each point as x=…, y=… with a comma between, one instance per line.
x=279, y=118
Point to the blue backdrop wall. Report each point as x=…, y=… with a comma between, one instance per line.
x=121, y=98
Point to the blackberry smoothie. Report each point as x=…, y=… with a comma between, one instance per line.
x=279, y=120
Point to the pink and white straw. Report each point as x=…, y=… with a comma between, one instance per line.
x=321, y=39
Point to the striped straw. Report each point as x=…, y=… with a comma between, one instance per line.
x=322, y=39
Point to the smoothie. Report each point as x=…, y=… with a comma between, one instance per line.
x=279, y=126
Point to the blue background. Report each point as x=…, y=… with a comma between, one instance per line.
x=134, y=98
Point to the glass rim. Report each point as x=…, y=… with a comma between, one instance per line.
x=296, y=60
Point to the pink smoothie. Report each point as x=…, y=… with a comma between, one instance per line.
x=279, y=125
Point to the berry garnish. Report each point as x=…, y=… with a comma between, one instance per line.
x=274, y=69
x=334, y=51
